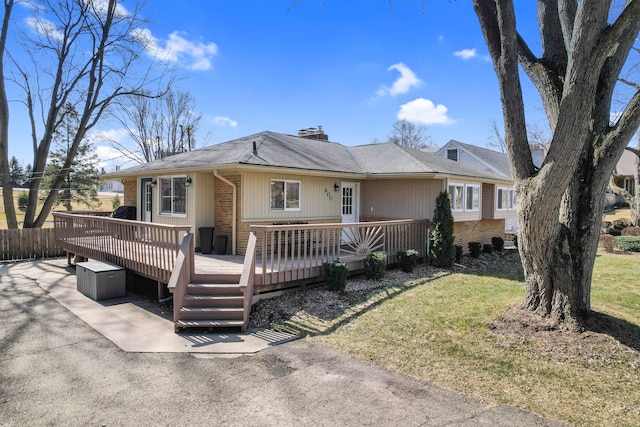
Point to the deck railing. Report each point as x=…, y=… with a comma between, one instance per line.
x=297, y=251
x=147, y=248
x=181, y=275
x=247, y=279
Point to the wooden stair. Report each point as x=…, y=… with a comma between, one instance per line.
x=214, y=301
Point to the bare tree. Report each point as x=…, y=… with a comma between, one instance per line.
x=410, y=134
x=157, y=127
x=5, y=172
x=585, y=46
x=496, y=138
x=84, y=54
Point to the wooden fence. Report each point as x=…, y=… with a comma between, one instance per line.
x=28, y=243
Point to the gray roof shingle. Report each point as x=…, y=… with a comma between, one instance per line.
x=287, y=151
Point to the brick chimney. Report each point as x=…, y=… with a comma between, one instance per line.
x=313, y=133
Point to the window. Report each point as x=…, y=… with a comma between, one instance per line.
x=473, y=197
x=456, y=192
x=464, y=197
x=505, y=199
x=285, y=195
x=452, y=154
x=173, y=195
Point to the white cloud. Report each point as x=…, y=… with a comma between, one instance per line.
x=406, y=81
x=466, y=53
x=195, y=55
x=225, y=121
x=102, y=7
x=424, y=111
x=44, y=27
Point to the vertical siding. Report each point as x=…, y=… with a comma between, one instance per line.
x=399, y=199
x=318, y=200
x=203, y=200
x=488, y=201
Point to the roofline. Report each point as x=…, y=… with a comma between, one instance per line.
x=461, y=146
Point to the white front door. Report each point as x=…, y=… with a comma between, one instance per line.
x=350, y=208
x=147, y=201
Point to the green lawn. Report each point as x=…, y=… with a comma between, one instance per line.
x=441, y=331
x=104, y=204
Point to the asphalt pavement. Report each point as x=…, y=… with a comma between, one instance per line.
x=58, y=370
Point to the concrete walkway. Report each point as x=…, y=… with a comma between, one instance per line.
x=133, y=323
x=56, y=370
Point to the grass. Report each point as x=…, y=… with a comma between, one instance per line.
x=440, y=331
x=103, y=199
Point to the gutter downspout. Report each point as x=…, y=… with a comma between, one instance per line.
x=235, y=194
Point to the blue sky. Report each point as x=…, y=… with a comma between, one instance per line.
x=354, y=67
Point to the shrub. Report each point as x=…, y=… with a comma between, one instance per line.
x=458, y=253
x=628, y=243
x=607, y=242
x=375, y=265
x=487, y=248
x=335, y=275
x=115, y=202
x=408, y=259
x=515, y=241
x=631, y=231
x=498, y=243
x=620, y=224
x=474, y=249
x=23, y=200
x=615, y=232
x=442, y=252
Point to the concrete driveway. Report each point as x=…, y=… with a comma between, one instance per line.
x=57, y=370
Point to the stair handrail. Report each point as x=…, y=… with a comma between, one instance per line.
x=181, y=274
x=247, y=279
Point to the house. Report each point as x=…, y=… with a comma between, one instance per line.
x=287, y=203
x=499, y=202
x=625, y=176
x=270, y=178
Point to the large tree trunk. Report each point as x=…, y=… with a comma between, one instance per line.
x=560, y=204
x=558, y=248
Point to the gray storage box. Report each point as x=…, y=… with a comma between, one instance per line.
x=101, y=280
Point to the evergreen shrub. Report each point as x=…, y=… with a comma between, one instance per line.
x=408, y=260
x=487, y=248
x=375, y=265
x=335, y=275
x=442, y=252
x=628, y=243
x=475, y=248
x=497, y=243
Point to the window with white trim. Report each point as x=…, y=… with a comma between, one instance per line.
x=505, y=199
x=285, y=195
x=464, y=197
x=472, y=197
x=173, y=195
x=452, y=154
x=456, y=193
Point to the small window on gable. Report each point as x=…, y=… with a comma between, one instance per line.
x=452, y=154
x=285, y=195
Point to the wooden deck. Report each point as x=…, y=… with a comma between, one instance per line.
x=218, y=290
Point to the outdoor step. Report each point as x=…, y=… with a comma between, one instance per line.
x=209, y=324
x=210, y=313
x=216, y=278
x=213, y=301
x=226, y=289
